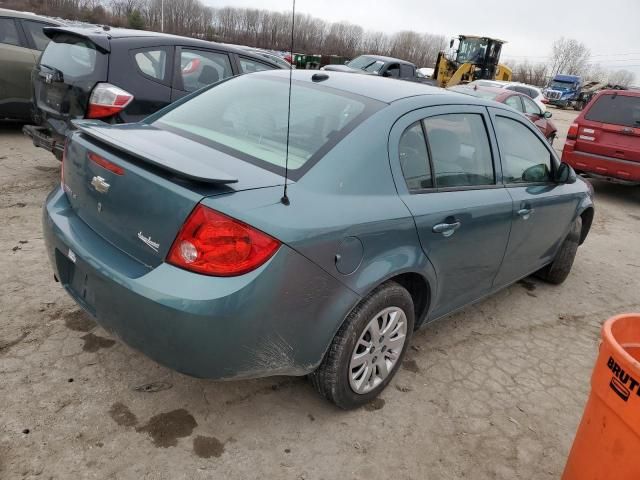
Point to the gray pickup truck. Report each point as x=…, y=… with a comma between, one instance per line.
x=381, y=66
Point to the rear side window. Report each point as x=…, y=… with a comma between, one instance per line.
x=414, y=158
x=9, y=32
x=460, y=150
x=248, y=65
x=34, y=30
x=73, y=56
x=525, y=159
x=615, y=109
x=247, y=117
x=152, y=63
x=200, y=68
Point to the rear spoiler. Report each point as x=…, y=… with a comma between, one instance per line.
x=131, y=142
x=96, y=35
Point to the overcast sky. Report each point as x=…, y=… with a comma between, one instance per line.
x=610, y=28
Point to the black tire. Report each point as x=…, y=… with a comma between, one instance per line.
x=331, y=379
x=558, y=270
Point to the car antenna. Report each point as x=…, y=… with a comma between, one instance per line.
x=285, y=198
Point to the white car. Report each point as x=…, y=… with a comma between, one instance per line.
x=531, y=91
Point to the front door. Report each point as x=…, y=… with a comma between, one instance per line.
x=542, y=209
x=448, y=179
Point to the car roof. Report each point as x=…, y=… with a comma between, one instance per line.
x=5, y=12
x=387, y=59
x=387, y=90
x=101, y=35
x=498, y=91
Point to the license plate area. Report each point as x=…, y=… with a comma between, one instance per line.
x=75, y=279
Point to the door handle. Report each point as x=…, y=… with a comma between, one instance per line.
x=525, y=212
x=446, y=229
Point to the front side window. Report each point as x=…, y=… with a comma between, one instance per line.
x=525, y=158
x=530, y=107
x=460, y=150
x=247, y=66
x=9, y=32
x=152, y=63
x=514, y=102
x=200, y=68
x=34, y=29
x=246, y=117
x=414, y=158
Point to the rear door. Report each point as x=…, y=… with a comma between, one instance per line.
x=16, y=60
x=145, y=71
x=610, y=127
x=196, y=68
x=449, y=181
x=68, y=69
x=542, y=209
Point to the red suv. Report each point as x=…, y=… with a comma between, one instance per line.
x=604, y=140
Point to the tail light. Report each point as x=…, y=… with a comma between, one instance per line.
x=288, y=58
x=213, y=244
x=192, y=66
x=107, y=100
x=572, y=134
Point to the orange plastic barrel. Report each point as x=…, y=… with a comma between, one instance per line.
x=607, y=443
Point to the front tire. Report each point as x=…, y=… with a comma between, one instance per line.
x=558, y=270
x=368, y=349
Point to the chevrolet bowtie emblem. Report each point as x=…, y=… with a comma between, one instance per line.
x=100, y=184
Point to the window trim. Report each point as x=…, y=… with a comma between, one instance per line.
x=421, y=114
x=168, y=67
x=555, y=162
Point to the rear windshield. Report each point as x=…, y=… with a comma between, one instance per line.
x=616, y=109
x=486, y=94
x=72, y=55
x=247, y=117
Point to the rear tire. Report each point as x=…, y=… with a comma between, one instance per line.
x=334, y=378
x=558, y=270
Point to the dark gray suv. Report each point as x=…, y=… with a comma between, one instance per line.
x=121, y=76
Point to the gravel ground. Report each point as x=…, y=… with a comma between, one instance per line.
x=493, y=392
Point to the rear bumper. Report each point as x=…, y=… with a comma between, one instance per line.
x=41, y=137
x=276, y=320
x=599, y=165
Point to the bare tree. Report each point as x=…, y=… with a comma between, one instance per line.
x=569, y=56
x=623, y=78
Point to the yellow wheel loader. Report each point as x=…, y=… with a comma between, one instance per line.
x=475, y=58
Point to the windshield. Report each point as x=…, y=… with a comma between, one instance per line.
x=472, y=50
x=247, y=118
x=367, y=64
x=558, y=85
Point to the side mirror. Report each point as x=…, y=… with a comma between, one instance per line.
x=536, y=173
x=547, y=114
x=565, y=174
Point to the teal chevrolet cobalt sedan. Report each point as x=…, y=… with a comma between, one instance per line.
x=404, y=203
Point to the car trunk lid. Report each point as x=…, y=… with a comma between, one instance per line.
x=135, y=185
x=611, y=127
x=69, y=68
